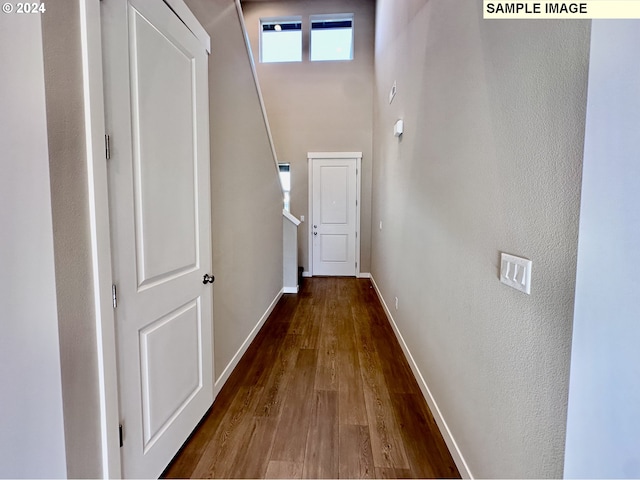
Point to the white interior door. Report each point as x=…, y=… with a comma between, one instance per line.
x=334, y=214
x=156, y=102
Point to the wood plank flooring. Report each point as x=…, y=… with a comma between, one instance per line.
x=324, y=391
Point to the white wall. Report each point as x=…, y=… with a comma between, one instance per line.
x=603, y=428
x=289, y=254
x=32, y=442
x=490, y=162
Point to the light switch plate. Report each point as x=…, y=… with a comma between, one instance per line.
x=516, y=272
x=398, y=128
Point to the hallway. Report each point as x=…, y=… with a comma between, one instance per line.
x=324, y=391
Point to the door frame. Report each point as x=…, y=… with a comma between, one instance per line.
x=99, y=219
x=311, y=156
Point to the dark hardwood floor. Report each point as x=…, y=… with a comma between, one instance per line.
x=324, y=391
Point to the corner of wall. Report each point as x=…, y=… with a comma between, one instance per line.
x=233, y=363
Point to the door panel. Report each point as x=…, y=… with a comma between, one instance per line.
x=334, y=248
x=334, y=195
x=156, y=102
x=171, y=374
x=334, y=216
x=164, y=160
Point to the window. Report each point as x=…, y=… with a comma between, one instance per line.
x=281, y=40
x=285, y=179
x=331, y=37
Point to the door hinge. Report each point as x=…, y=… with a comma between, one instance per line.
x=121, y=435
x=107, y=146
x=114, y=296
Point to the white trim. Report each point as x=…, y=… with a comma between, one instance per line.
x=311, y=156
x=291, y=218
x=306, y=275
x=254, y=72
x=224, y=376
x=310, y=216
x=187, y=17
x=91, y=41
x=291, y=289
x=437, y=414
x=364, y=275
x=334, y=155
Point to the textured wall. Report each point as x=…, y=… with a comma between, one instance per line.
x=245, y=189
x=490, y=162
x=70, y=207
x=319, y=106
x=603, y=439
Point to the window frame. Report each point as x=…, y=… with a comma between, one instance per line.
x=285, y=168
x=292, y=19
x=337, y=17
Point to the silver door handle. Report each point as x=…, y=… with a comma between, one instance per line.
x=208, y=278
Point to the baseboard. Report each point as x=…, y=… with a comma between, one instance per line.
x=291, y=289
x=360, y=275
x=437, y=414
x=219, y=383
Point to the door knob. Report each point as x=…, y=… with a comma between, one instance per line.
x=315, y=226
x=208, y=278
